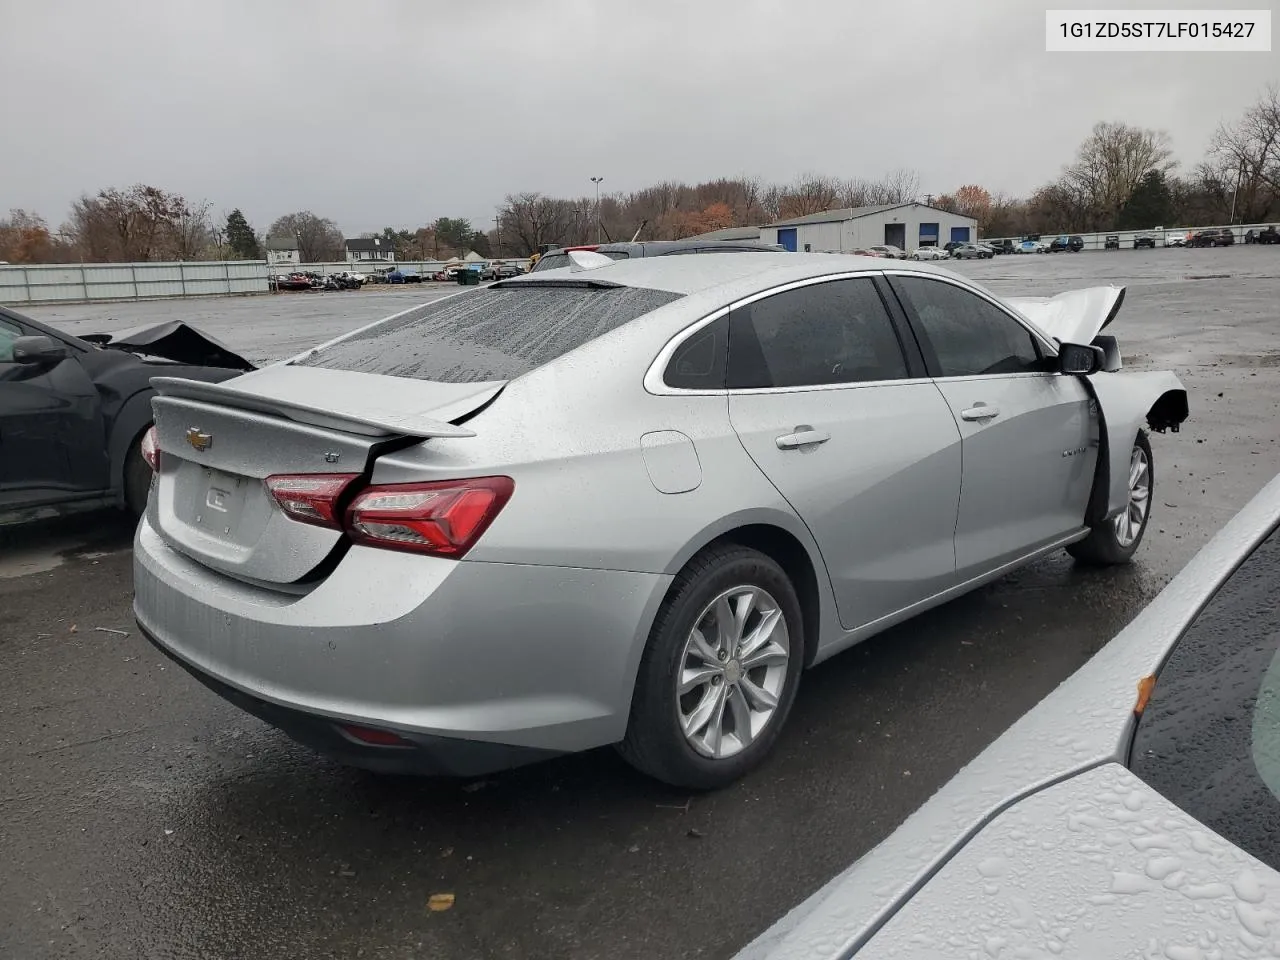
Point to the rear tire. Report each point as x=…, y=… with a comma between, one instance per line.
x=1116, y=540
x=738, y=733
x=137, y=480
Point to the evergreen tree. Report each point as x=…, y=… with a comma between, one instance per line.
x=1150, y=204
x=240, y=237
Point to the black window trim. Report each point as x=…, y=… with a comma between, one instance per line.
x=1048, y=348
x=655, y=377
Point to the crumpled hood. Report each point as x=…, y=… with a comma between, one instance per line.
x=1076, y=316
x=177, y=341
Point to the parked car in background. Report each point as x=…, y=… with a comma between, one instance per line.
x=1265, y=235
x=1059, y=244
x=393, y=490
x=1132, y=813
x=890, y=251
x=929, y=253
x=866, y=252
x=1212, y=237
x=1176, y=238
x=1001, y=246
x=74, y=411
x=1076, y=243
x=1111, y=242
x=505, y=271
x=971, y=251
x=559, y=257
x=1027, y=246
x=1147, y=240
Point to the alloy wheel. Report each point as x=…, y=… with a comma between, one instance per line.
x=1130, y=521
x=732, y=671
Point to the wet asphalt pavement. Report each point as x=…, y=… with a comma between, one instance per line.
x=140, y=816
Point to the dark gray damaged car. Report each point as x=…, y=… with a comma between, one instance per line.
x=74, y=411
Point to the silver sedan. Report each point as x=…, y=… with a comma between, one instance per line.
x=627, y=502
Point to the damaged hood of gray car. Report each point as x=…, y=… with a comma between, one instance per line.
x=177, y=341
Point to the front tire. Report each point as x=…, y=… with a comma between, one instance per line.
x=720, y=671
x=1115, y=541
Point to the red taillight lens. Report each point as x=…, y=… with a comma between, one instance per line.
x=444, y=518
x=151, y=449
x=310, y=497
x=378, y=738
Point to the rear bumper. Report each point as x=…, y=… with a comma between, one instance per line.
x=422, y=754
x=480, y=665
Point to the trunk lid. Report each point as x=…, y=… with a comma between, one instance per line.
x=221, y=441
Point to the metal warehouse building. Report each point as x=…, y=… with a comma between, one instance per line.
x=905, y=225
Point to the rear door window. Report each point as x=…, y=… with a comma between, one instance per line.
x=490, y=333
x=820, y=334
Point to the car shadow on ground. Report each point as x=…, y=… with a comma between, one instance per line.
x=583, y=847
x=45, y=544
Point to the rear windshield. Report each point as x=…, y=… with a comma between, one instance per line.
x=489, y=333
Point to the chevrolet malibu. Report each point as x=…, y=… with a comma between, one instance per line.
x=627, y=502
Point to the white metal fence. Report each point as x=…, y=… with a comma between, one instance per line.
x=87, y=282
x=1097, y=241
x=84, y=282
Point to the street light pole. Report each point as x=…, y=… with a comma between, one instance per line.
x=597, y=181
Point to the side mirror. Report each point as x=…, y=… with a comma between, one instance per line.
x=38, y=350
x=1080, y=360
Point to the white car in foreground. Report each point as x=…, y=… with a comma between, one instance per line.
x=930, y=253
x=1134, y=813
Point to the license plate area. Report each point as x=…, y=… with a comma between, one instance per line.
x=216, y=506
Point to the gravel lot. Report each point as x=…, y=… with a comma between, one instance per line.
x=144, y=817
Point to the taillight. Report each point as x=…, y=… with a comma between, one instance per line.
x=150, y=447
x=444, y=518
x=310, y=497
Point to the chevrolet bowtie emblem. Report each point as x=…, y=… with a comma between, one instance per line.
x=201, y=441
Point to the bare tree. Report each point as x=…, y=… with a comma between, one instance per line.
x=897, y=186
x=1247, y=153
x=810, y=193
x=532, y=219
x=1111, y=162
x=319, y=239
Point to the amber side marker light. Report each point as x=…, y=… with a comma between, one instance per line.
x=1145, y=686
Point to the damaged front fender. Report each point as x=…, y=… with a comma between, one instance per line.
x=1129, y=402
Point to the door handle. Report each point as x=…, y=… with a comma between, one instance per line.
x=804, y=436
x=980, y=411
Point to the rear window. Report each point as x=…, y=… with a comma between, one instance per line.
x=489, y=333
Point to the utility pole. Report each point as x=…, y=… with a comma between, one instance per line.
x=1236, y=191
x=497, y=228
x=597, y=181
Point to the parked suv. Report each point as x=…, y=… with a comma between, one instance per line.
x=1064, y=242
x=1112, y=242
x=1144, y=240
x=1213, y=237
x=553, y=259
x=1000, y=246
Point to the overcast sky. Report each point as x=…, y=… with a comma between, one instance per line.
x=400, y=111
